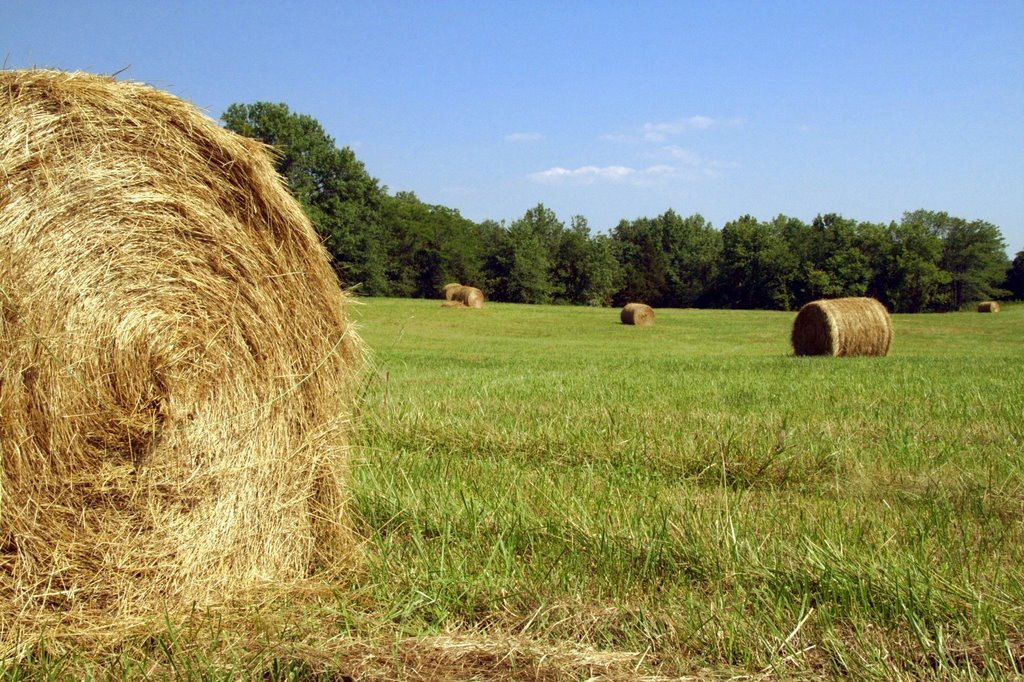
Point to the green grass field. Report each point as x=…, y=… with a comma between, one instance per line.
x=548, y=494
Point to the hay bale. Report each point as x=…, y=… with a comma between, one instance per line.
x=988, y=307
x=639, y=314
x=449, y=290
x=471, y=297
x=841, y=327
x=176, y=367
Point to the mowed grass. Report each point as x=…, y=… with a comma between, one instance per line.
x=545, y=493
x=695, y=493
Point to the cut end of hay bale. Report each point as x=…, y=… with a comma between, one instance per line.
x=842, y=327
x=176, y=366
x=638, y=314
x=988, y=307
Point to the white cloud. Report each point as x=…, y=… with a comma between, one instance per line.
x=589, y=175
x=523, y=137
x=584, y=175
x=659, y=132
x=621, y=138
x=685, y=156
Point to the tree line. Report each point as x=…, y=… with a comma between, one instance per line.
x=397, y=245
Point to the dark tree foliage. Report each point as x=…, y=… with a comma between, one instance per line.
x=756, y=266
x=973, y=256
x=667, y=261
x=1015, y=277
x=428, y=247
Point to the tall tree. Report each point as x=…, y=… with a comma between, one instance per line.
x=521, y=262
x=973, y=254
x=915, y=280
x=428, y=246
x=643, y=261
x=667, y=261
x=338, y=195
x=756, y=266
x=585, y=269
x=838, y=266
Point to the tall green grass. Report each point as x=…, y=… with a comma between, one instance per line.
x=545, y=493
x=693, y=491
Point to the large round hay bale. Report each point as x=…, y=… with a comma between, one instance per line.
x=841, y=327
x=471, y=297
x=449, y=290
x=639, y=314
x=988, y=307
x=176, y=366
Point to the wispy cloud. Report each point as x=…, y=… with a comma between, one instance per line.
x=665, y=130
x=689, y=164
x=589, y=175
x=659, y=132
x=622, y=138
x=678, y=164
x=523, y=137
x=677, y=153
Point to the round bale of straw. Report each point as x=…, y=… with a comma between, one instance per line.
x=471, y=297
x=842, y=327
x=176, y=368
x=988, y=307
x=639, y=314
x=449, y=290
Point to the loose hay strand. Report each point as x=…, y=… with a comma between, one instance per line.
x=176, y=366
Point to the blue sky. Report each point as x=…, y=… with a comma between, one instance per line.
x=610, y=110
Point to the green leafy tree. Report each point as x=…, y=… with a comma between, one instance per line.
x=428, y=247
x=333, y=187
x=973, y=255
x=915, y=280
x=756, y=266
x=667, y=261
x=838, y=267
x=526, y=264
x=643, y=262
x=603, y=274
x=585, y=269
x=693, y=248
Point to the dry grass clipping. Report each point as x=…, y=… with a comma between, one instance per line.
x=471, y=297
x=988, y=307
x=639, y=314
x=176, y=367
x=842, y=327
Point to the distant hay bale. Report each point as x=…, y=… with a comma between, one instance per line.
x=842, y=327
x=471, y=297
x=176, y=367
x=450, y=289
x=639, y=314
x=988, y=307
